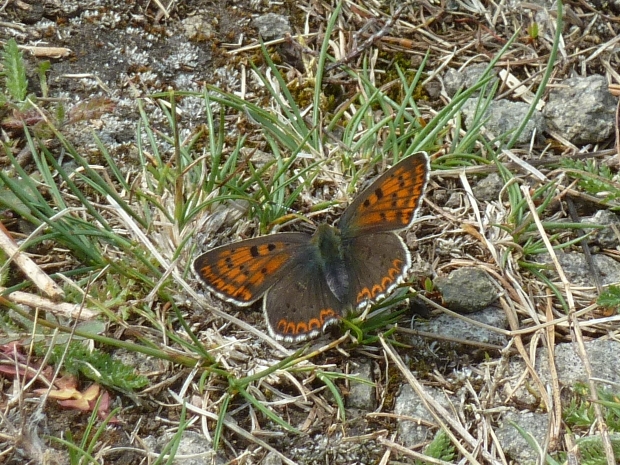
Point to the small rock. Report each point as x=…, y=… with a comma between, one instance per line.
x=467, y=290
x=454, y=201
x=272, y=459
x=577, y=271
x=31, y=12
x=455, y=79
x=452, y=327
x=603, y=356
x=362, y=395
x=607, y=238
x=440, y=196
x=142, y=363
x=488, y=189
x=503, y=117
x=408, y=404
x=514, y=444
x=433, y=89
x=191, y=444
x=582, y=110
x=272, y=26
x=196, y=28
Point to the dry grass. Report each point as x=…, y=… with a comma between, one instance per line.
x=211, y=361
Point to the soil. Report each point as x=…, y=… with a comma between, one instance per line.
x=120, y=52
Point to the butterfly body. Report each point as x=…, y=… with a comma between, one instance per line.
x=332, y=264
x=310, y=281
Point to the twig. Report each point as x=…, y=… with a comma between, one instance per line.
x=63, y=308
x=30, y=268
x=576, y=332
x=439, y=413
x=48, y=52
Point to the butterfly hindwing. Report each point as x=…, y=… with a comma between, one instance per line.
x=377, y=263
x=391, y=202
x=243, y=271
x=301, y=305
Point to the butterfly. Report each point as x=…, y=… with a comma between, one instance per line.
x=308, y=282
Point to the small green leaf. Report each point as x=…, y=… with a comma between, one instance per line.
x=440, y=448
x=14, y=71
x=98, y=366
x=43, y=68
x=610, y=297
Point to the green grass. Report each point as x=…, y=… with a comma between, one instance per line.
x=610, y=298
x=128, y=233
x=580, y=419
x=83, y=452
x=594, y=178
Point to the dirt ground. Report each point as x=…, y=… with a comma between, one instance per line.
x=115, y=53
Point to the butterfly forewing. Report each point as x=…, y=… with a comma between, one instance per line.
x=242, y=272
x=391, y=202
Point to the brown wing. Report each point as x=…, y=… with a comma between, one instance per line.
x=391, y=202
x=377, y=263
x=243, y=271
x=301, y=305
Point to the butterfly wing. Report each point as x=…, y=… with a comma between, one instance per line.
x=301, y=305
x=377, y=263
x=391, y=202
x=243, y=271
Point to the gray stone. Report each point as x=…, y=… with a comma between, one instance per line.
x=467, y=290
x=504, y=116
x=488, y=188
x=191, y=444
x=362, y=395
x=607, y=238
x=272, y=26
x=514, y=445
x=582, y=110
x=454, y=201
x=452, y=327
x=433, y=89
x=142, y=363
x=576, y=268
x=455, y=79
x=408, y=404
x=602, y=354
x=272, y=459
x=520, y=5
x=197, y=28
